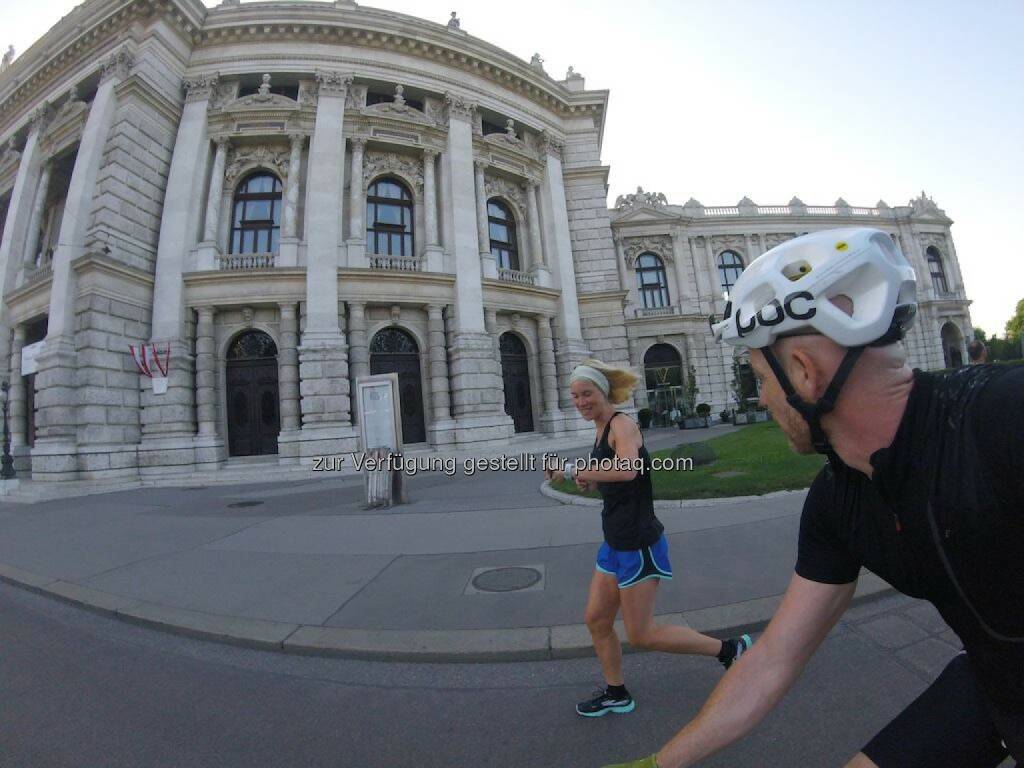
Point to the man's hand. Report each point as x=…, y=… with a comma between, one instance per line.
x=647, y=762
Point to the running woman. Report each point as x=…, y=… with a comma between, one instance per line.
x=634, y=555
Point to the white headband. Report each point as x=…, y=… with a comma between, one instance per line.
x=586, y=373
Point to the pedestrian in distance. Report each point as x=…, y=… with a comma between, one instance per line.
x=924, y=486
x=634, y=556
x=977, y=352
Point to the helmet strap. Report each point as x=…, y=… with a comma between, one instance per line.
x=813, y=412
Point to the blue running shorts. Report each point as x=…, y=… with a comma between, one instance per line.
x=631, y=566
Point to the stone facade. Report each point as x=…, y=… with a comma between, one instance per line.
x=271, y=210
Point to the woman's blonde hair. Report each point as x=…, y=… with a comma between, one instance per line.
x=621, y=381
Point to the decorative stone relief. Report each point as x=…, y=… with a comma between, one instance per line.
x=40, y=116
x=397, y=108
x=262, y=99
x=376, y=163
x=729, y=243
x=496, y=186
x=118, y=64
x=271, y=158
x=331, y=83
x=642, y=199
x=925, y=205
x=508, y=138
x=928, y=239
x=201, y=88
x=658, y=244
x=549, y=145
x=459, y=106
x=356, y=98
x=773, y=239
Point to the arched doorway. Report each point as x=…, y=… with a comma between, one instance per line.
x=952, y=342
x=395, y=351
x=515, y=374
x=254, y=418
x=663, y=374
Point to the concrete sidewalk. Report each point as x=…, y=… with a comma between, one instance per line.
x=477, y=567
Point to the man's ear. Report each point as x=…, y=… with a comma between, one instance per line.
x=804, y=373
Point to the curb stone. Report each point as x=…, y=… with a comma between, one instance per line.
x=458, y=645
x=668, y=504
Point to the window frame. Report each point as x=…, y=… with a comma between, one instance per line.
x=724, y=269
x=242, y=226
x=375, y=228
x=506, y=253
x=647, y=291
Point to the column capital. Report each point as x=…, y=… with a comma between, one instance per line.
x=459, y=107
x=435, y=311
x=200, y=88
x=40, y=116
x=479, y=166
x=358, y=142
x=119, y=64
x=206, y=312
x=287, y=309
x=297, y=139
x=332, y=83
x=430, y=154
x=550, y=145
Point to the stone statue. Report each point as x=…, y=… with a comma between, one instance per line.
x=510, y=129
x=399, y=98
x=453, y=22
x=8, y=58
x=264, y=89
x=570, y=74
x=536, y=61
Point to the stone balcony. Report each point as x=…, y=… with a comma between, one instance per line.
x=395, y=263
x=517, y=277
x=246, y=261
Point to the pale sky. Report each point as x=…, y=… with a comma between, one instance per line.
x=821, y=99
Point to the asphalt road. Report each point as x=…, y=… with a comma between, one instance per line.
x=80, y=689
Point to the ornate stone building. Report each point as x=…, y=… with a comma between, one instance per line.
x=677, y=262
x=215, y=220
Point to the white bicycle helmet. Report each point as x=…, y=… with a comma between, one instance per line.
x=788, y=291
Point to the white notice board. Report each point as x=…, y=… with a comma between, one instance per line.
x=378, y=408
x=29, y=353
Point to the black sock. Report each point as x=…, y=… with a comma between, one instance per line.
x=727, y=652
x=618, y=691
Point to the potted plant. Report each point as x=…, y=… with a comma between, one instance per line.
x=725, y=415
x=761, y=413
x=740, y=416
x=703, y=411
x=644, y=417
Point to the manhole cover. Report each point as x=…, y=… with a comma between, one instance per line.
x=239, y=504
x=506, y=579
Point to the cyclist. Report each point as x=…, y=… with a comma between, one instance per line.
x=924, y=486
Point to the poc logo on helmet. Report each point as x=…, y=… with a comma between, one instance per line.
x=782, y=311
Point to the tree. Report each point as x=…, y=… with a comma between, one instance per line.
x=979, y=335
x=1015, y=325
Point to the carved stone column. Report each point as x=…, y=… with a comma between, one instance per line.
x=620, y=263
x=54, y=456
x=17, y=393
x=684, y=290
x=434, y=253
x=548, y=377
x=206, y=373
x=35, y=222
x=220, y=159
x=540, y=260
x=704, y=296
x=288, y=250
x=442, y=429
x=356, y=207
x=358, y=348
x=488, y=264
x=491, y=324
x=289, y=364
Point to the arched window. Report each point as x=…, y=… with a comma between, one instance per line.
x=256, y=222
x=502, y=227
x=730, y=265
x=935, y=267
x=651, y=281
x=389, y=218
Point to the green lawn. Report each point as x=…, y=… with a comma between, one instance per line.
x=755, y=460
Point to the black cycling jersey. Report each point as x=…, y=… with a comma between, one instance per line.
x=627, y=515
x=942, y=518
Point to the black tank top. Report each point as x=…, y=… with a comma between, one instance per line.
x=627, y=517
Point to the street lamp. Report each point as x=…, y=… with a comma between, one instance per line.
x=7, y=461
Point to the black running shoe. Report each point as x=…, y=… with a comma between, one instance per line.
x=733, y=648
x=603, y=703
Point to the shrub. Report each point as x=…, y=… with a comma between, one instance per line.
x=700, y=453
x=703, y=410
